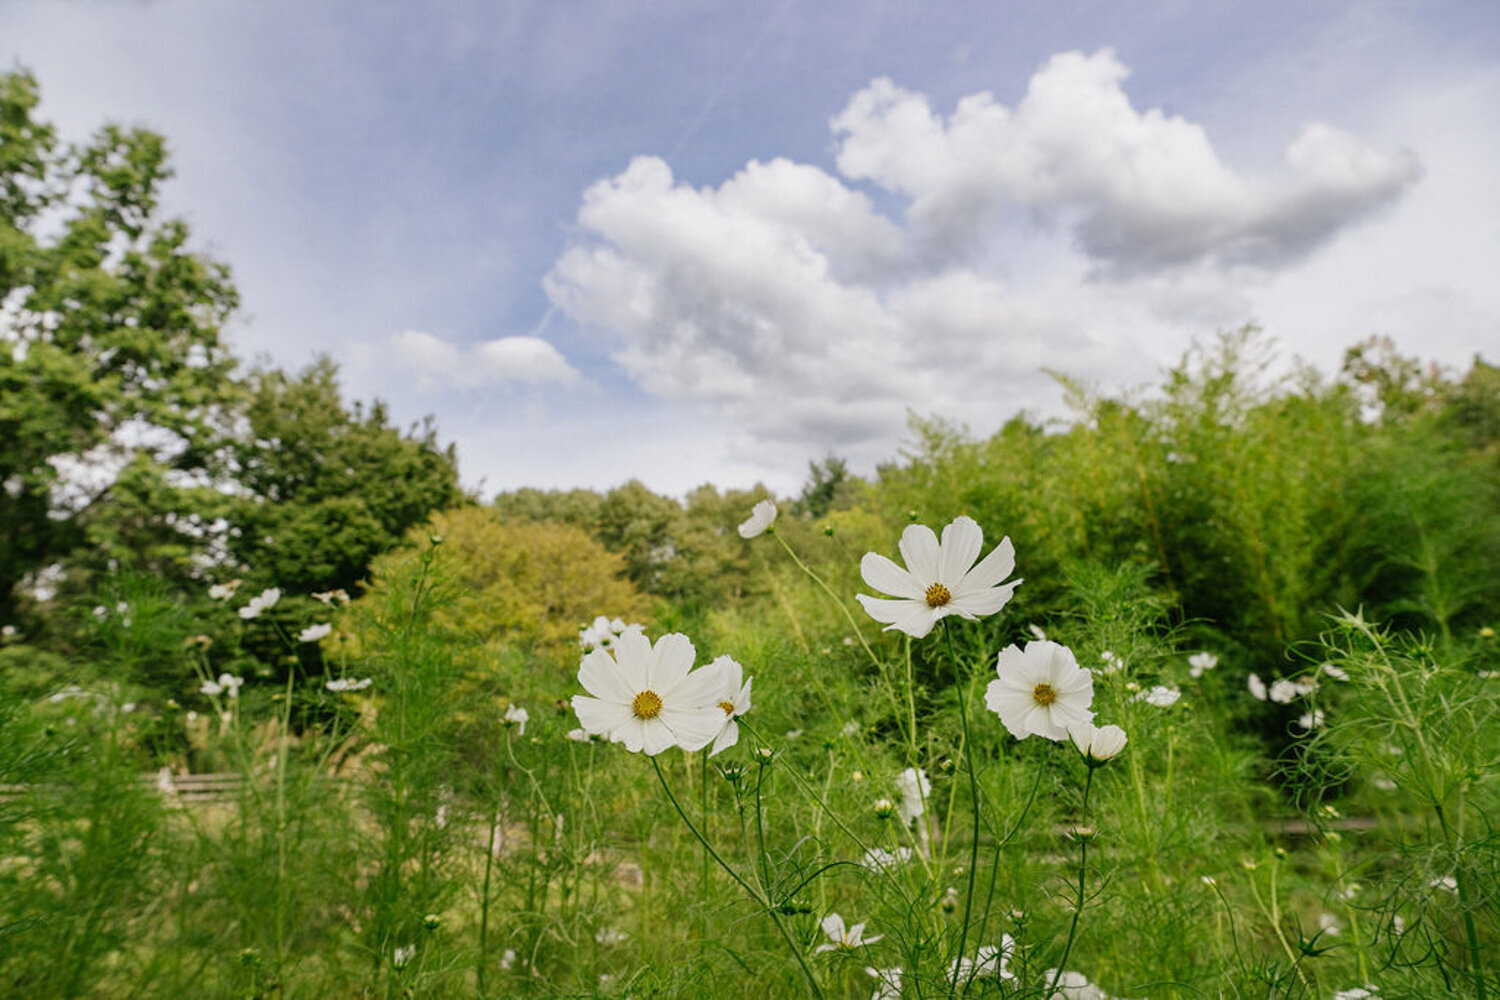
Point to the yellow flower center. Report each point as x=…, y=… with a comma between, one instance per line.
x=937, y=595
x=1043, y=694
x=727, y=706
x=647, y=705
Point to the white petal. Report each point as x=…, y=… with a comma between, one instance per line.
x=632, y=653
x=833, y=926
x=962, y=541
x=700, y=688
x=994, y=567
x=656, y=736
x=919, y=548
x=914, y=618
x=671, y=659
x=982, y=602
x=692, y=728
x=602, y=678
x=602, y=718
x=728, y=736
x=888, y=578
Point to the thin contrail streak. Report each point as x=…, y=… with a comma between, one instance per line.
x=718, y=93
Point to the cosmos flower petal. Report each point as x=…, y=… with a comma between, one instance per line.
x=994, y=567
x=656, y=736
x=602, y=718
x=914, y=618
x=670, y=662
x=885, y=576
x=704, y=686
x=632, y=733
x=728, y=736
x=603, y=678
x=633, y=658
x=692, y=728
x=919, y=549
x=962, y=540
x=983, y=602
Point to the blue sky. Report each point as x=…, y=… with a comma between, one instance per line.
x=698, y=242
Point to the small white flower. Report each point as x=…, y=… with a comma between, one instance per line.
x=1040, y=690
x=1311, y=720
x=1073, y=986
x=1199, y=663
x=876, y=858
x=914, y=788
x=850, y=729
x=1284, y=692
x=761, y=517
x=1447, y=882
x=734, y=700
x=314, y=632
x=261, y=603
x=348, y=684
x=1366, y=992
x=1257, y=687
x=887, y=983
x=578, y=736
x=1329, y=924
x=223, y=591
x=231, y=684
x=403, y=955
x=1337, y=673
x=1097, y=743
x=1161, y=696
x=941, y=578
x=649, y=697
x=332, y=597
x=988, y=963
x=1112, y=662
x=518, y=716
x=508, y=959
x=842, y=938
x=609, y=936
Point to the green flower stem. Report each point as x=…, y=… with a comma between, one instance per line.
x=1083, y=862
x=763, y=901
x=968, y=752
x=1000, y=844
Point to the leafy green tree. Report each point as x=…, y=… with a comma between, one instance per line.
x=110, y=349
x=325, y=489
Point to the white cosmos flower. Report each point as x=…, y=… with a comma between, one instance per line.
x=887, y=983
x=940, y=579
x=1257, y=687
x=877, y=858
x=1337, y=673
x=1161, y=696
x=914, y=788
x=1097, y=743
x=988, y=962
x=1198, y=663
x=262, y=602
x=227, y=684
x=403, y=955
x=348, y=684
x=762, y=515
x=223, y=591
x=734, y=700
x=1284, y=692
x=314, y=632
x=649, y=697
x=840, y=937
x=1311, y=720
x=1040, y=690
x=518, y=715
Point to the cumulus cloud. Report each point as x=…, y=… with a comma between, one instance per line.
x=786, y=301
x=1140, y=191
x=437, y=364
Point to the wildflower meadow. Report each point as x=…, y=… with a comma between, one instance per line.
x=1191, y=695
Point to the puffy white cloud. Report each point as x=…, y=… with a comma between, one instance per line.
x=1140, y=190
x=786, y=302
x=438, y=364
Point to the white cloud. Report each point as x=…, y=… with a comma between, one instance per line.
x=1140, y=191
x=785, y=302
x=437, y=364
